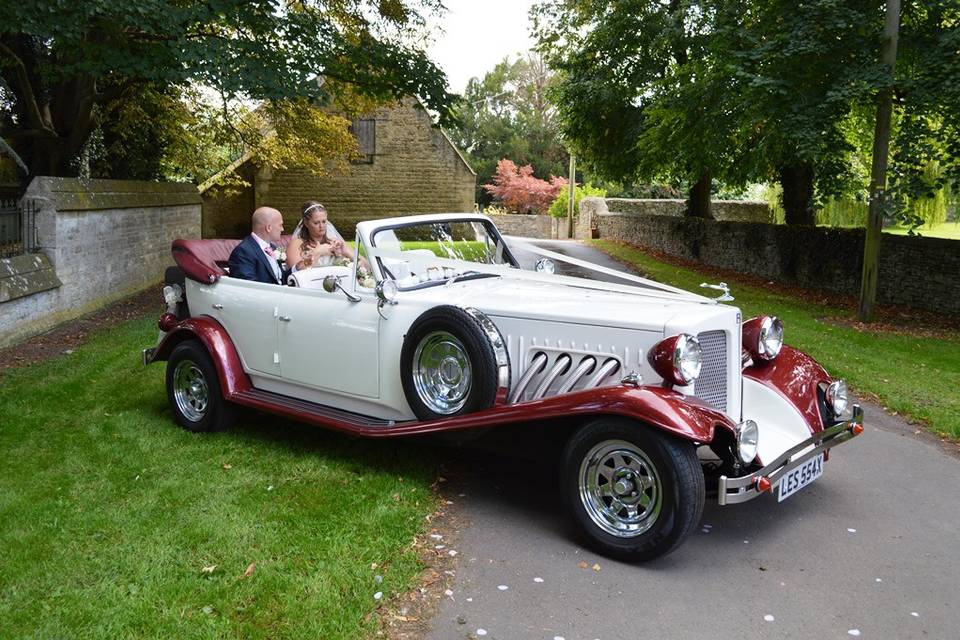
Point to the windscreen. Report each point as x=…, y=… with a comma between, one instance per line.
x=414, y=249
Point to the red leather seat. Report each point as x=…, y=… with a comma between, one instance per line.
x=205, y=260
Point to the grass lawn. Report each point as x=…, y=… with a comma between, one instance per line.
x=116, y=523
x=950, y=230
x=915, y=376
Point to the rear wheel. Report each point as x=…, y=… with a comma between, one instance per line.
x=193, y=389
x=635, y=493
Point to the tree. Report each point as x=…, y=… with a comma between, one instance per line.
x=520, y=192
x=507, y=114
x=631, y=96
x=926, y=147
x=61, y=62
x=747, y=91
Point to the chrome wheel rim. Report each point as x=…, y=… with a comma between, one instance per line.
x=190, y=391
x=620, y=488
x=442, y=373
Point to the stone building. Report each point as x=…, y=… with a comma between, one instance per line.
x=409, y=167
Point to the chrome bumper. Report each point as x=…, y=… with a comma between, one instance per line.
x=734, y=490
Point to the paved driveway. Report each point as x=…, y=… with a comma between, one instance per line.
x=870, y=550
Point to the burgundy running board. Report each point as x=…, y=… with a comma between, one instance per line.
x=311, y=412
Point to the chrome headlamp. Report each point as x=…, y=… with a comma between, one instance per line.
x=763, y=337
x=748, y=438
x=838, y=398
x=677, y=359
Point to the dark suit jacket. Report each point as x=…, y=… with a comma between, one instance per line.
x=249, y=262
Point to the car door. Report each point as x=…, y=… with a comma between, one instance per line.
x=248, y=310
x=328, y=342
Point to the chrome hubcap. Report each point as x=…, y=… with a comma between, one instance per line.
x=442, y=372
x=620, y=488
x=190, y=391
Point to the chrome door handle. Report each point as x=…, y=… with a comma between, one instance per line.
x=218, y=306
x=285, y=318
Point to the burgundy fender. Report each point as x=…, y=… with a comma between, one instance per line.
x=683, y=416
x=214, y=337
x=795, y=376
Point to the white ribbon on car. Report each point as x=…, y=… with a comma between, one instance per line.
x=649, y=287
x=645, y=282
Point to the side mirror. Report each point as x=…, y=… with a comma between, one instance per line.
x=332, y=283
x=387, y=292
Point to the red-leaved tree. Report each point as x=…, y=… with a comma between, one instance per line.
x=519, y=191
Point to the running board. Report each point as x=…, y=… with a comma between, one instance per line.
x=308, y=411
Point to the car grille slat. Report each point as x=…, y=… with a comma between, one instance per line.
x=711, y=386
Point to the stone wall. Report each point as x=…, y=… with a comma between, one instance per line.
x=739, y=210
x=527, y=226
x=415, y=169
x=227, y=211
x=914, y=271
x=105, y=239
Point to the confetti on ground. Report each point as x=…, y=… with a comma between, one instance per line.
x=705, y=530
x=746, y=542
x=503, y=587
x=708, y=526
x=440, y=546
x=378, y=595
x=481, y=632
x=469, y=599
x=582, y=564
x=879, y=579
x=596, y=567
x=915, y=614
x=461, y=495
x=452, y=552
x=436, y=536
x=851, y=531
x=209, y=569
x=558, y=638
x=228, y=467
x=270, y=488
x=538, y=579
x=854, y=632
x=769, y=618
x=448, y=593
x=378, y=579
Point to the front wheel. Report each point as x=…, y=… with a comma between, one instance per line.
x=193, y=389
x=634, y=493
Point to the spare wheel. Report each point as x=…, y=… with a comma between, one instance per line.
x=453, y=361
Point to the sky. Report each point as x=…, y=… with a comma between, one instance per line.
x=477, y=35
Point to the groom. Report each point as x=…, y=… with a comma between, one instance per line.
x=257, y=256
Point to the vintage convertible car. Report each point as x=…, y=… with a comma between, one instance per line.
x=658, y=396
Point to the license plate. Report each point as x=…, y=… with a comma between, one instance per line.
x=800, y=477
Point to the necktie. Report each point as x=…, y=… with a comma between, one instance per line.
x=269, y=250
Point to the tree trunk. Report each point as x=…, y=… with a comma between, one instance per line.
x=797, y=183
x=698, y=202
x=878, y=174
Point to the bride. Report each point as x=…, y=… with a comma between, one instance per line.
x=315, y=242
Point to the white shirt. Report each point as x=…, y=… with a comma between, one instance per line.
x=272, y=259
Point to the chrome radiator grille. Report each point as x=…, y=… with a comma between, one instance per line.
x=711, y=386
